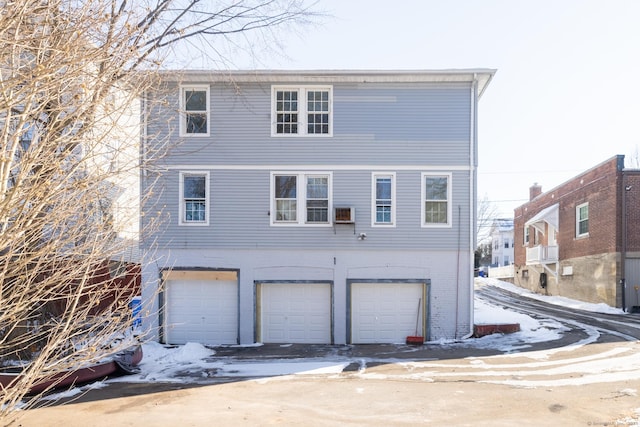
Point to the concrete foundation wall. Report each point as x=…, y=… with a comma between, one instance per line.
x=592, y=278
x=450, y=305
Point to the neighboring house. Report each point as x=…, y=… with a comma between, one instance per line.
x=501, y=242
x=582, y=239
x=107, y=158
x=312, y=206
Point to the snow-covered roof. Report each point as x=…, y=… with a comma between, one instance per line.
x=502, y=224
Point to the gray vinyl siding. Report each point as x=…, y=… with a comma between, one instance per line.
x=239, y=215
x=375, y=127
x=424, y=124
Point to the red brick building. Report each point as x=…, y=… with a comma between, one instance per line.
x=581, y=239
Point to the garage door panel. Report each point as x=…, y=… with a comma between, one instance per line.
x=203, y=311
x=319, y=321
x=295, y=313
x=384, y=312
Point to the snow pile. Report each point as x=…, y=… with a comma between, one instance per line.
x=531, y=330
x=556, y=300
x=155, y=353
x=485, y=314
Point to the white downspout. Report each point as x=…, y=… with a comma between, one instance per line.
x=473, y=154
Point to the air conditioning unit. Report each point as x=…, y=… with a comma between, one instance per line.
x=342, y=215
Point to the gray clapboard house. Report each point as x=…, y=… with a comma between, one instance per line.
x=312, y=206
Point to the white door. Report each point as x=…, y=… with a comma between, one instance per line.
x=386, y=312
x=295, y=313
x=202, y=311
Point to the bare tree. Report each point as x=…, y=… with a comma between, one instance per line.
x=483, y=254
x=487, y=213
x=72, y=73
x=633, y=161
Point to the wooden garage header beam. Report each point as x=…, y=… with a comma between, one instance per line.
x=199, y=275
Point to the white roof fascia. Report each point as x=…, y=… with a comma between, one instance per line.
x=482, y=75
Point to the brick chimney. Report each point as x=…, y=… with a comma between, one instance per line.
x=534, y=191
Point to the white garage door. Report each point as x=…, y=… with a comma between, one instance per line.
x=201, y=310
x=295, y=313
x=385, y=312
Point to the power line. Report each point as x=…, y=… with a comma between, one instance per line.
x=505, y=201
x=537, y=172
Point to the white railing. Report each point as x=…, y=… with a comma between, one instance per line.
x=542, y=254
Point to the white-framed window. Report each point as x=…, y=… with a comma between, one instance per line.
x=436, y=200
x=302, y=111
x=301, y=198
x=194, y=198
x=194, y=110
x=383, y=199
x=526, y=235
x=582, y=220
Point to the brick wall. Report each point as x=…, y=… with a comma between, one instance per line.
x=632, y=179
x=593, y=260
x=600, y=188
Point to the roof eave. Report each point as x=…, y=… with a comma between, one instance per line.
x=483, y=76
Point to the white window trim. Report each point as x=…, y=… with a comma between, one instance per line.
x=301, y=199
x=374, y=176
x=302, y=110
x=181, y=219
x=449, y=177
x=183, y=113
x=526, y=236
x=578, y=235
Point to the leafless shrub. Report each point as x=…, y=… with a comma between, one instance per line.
x=72, y=76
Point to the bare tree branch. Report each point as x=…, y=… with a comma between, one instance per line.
x=72, y=76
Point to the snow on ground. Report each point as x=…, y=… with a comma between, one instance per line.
x=174, y=364
x=194, y=362
x=562, y=301
x=531, y=330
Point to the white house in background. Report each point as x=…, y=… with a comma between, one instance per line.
x=312, y=206
x=502, y=242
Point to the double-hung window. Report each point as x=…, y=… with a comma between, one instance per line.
x=436, y=200
x=286, y=112
x=383, y=207
x=194, y=110
x=302, y=111
x=582, y=220
x=300, y=198
x=318, y=112
x=317, y=199
x=194, y=198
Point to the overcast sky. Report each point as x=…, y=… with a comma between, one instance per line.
x=566, y=95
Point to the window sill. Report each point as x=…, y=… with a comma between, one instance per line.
x=301, y=135
x=195, y=135
x=297, y=224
